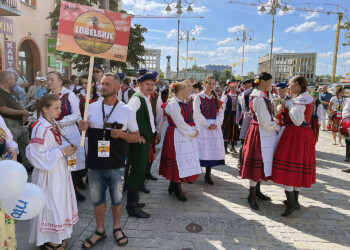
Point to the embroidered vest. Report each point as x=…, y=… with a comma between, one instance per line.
x=187, y=114
x=66, y=107
x=208, y=107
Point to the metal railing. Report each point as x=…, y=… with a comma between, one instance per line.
x=10, y=3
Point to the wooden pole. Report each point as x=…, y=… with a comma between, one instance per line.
x=334, y=69
x=88, y=94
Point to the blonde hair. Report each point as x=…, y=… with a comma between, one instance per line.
x=176, y=87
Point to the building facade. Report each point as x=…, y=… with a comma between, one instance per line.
x=219, y=68
x=152, y=60
x=196, y=75
x=287, y=65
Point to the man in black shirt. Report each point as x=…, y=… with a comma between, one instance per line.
x=14, y=114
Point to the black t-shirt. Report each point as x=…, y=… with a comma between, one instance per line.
x=10, y=100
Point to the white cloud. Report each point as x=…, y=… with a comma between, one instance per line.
x=345, y=55
x=236, y=28
x=282, y=13
x=172, y=33
x=325, y=54
x=288, y=51
x=310, y=15
x=302, y=27
x=334, y=27
x=347, y=62
x=258, y=48
x=226, y=41
x=158, y=31
x=202, y=52
x=277, y=49
x=199, y=29
x=269, y=41
x=322, y=28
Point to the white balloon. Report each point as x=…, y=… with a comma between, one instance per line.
x=13, y=177
x=28, y=204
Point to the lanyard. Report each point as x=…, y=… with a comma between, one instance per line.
x=59, y=131
x=105, y=118
x=340, y=103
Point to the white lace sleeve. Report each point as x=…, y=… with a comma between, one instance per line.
x=346, y=109
x=296, y=112
x=263, y=115
x=75, y=116
x=320, y=113
x=174, y=111
x=219, y=117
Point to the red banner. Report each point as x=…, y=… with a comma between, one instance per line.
x=94, y=32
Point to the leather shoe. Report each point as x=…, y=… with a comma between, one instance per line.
x=346, y=170
x=151, y=177
x=144, y=189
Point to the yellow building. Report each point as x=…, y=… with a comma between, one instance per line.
x=26, y=38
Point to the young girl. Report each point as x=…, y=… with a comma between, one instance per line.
x=47, y=152
x=179, y=161
x=259, y=144
x=208, y=115
x=335, y=107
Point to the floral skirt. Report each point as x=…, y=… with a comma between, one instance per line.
x=7, y=231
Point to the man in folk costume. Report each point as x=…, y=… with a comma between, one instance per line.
x=281, y=96
x=111, y=126
x=141, y=105
x=230, y=129
x=317, y=115
x=127, y=92
x=243, y=114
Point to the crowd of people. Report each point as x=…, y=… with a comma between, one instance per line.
x=275, y=127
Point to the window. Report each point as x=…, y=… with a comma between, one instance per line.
x=29, y=2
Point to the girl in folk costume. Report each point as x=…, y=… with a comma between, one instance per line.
x=67, y=120
x=317, y=115
x=196, y=89
x=47, y=152
x=335, y=107
x=179, y=161
x=7, y=224
x=208, y=115
x=294, y=161
x=230, y=129
x=82, y=95
x=259, y=144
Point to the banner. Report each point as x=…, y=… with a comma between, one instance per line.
x=10, y=55
x=6, y=25
x=94, y=32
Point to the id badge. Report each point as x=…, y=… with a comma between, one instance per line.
x=103, y=148
x=338, y=114
x=72, y=163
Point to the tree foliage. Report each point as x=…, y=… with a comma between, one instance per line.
x=135, y=50
x=226, y=75
x=346, y=26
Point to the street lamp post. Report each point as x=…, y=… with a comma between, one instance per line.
x=178, y=12
x=187, y=34
x=273, y=5
x=243, y=35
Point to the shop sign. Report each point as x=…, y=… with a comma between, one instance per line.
x=6, y=25
x=10, y=55
x=52, y=62
x=51, y=45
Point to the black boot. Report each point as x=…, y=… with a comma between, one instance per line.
x=233, y=150
x=261, y=195
x=80, y=183
x=178, y=192
x=346, y=170
x=240, y=158
x=252, y=198
x=80, y=196
x=225, y=144
x=151, y=177
x=292, y=204
x=296, y=196
x=208, y=176
x=347, y=154
x=144, y=189
x=171, y=187
x=132, y=207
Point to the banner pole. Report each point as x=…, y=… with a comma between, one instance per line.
x=88, y=94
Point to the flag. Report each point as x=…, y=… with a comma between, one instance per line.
x=191, y=58
x=183, y=58
x=234, y=64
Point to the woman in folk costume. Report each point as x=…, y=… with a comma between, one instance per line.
x=7, y=225
x=294, y=161
x=179, y=161
x=47, y=152
x=67, y=120
x=335, y=107
x=208, y=115
x=230, y=128
x=259, y=144
x=94, y=97
x=317, y=115
x=196, y=89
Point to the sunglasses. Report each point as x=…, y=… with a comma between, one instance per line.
x=96, y=71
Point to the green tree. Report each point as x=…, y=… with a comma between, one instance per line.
x=196, y=68
x=250, y=74
x=346, y=26
x=216, y=74
x=135, y=50
x=225, y=75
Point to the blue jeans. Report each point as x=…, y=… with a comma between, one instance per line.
x=99, y=180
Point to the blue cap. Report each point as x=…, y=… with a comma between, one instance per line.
x=141, y=71
x=121, y=76
x=99, y=66
x=155, y=73
x=281, y=85
x=146, y=77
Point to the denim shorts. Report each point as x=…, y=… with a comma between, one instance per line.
x=99, y=180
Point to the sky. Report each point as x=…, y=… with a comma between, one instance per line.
x=296, y=31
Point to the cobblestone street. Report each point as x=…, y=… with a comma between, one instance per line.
x=223, y=212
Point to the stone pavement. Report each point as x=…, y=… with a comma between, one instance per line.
x=223, y=212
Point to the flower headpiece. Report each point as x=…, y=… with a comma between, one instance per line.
x=173, y=86
x=257, y=81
